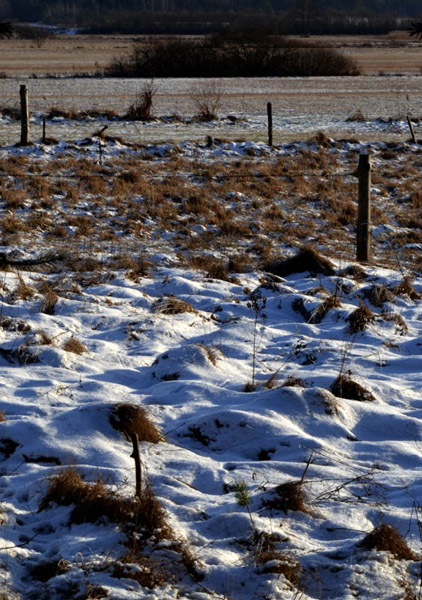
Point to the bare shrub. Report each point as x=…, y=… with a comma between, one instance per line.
x=141, y=109
x=206, y=99
x=129, y=418
x=386, y=538
x=345, y=387
x=360, y=318
x=307, y=259
x=74, y=345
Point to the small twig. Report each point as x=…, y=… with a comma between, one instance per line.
x=22, y=544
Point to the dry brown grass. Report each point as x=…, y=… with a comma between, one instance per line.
x=288, y=496
x=74, y=345
x=170, y=305
x=345, y=387
x=360, y=318
x=23, y=291
x=281, y=563
x=405, y=288
x=2, y=417
x=95, y=501
x=386, y=538
x=129, y=419
x=49, y=301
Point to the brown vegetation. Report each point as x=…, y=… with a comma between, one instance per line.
x=386, y=538
x=307, y=259
x=95, y=501
x=129, y=419
x=345, y=387
x=288, y=496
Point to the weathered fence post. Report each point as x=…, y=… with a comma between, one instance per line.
x=44, y=124
x=412, y=132
x=137, y=458
x=363, y=236
x=270, y=123
x=24, y=115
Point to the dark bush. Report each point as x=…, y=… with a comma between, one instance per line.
x=231, y=55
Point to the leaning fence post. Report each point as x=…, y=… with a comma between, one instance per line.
x=412, y=132
x=363, y=241
x=24, y=115
x=270, y=123
x=137, y=458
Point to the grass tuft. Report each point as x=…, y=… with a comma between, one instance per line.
x=74, y=345
x=170, y=305
x=386, y=538
x=288, y=496
x=359, y=319
x=95, y=501
x=345, y=387
x=129, y=418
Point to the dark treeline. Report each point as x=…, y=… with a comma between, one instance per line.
x=204, y=16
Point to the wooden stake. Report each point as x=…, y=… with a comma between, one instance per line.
x=137, y=458
x=363, y=236
x=24, y=115
x=412, y=133
x=270, y=123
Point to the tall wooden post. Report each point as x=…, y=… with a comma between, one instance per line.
x=363, y=236
x=270, y=123
x=24, y=115
x=137, y=458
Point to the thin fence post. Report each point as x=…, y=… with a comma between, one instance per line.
x=412, y=132
x=363, y=236
x=137, y=458
x=24, y=115
x=44, y=124
x=270, y=123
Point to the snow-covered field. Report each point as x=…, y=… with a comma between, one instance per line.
x=234, y=364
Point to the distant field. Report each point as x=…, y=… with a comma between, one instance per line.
x=70, y=54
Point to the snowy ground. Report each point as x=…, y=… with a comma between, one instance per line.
x=301, y=106
x=235, y=368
